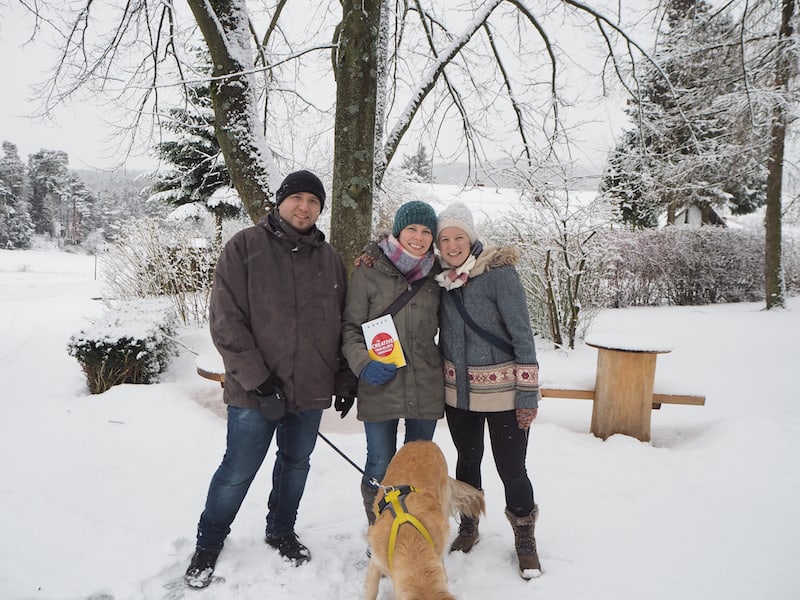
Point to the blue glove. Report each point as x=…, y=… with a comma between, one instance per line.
x=377, y=373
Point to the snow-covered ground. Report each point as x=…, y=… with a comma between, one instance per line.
x=100, y=495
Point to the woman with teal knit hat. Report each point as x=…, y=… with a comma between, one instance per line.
x=395, y=274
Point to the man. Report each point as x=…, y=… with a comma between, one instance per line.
x=275, y=318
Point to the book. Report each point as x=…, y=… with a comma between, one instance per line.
x=383, y=344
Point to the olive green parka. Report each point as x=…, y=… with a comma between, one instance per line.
x=417, y=391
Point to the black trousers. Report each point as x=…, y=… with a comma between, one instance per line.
x=509, y=447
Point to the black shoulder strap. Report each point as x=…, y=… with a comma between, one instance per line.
x=403, y=298
x=489, y=337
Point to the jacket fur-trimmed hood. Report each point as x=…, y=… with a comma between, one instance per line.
x=503, y=256
x=494, y=257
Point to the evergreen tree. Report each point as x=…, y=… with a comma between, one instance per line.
x=49, y=177
x=61, y=205
x=418, y=165
x=120, y=197
x=77, y=215
x=198, y=168
x=626, y=181
x=16, y=227
x=693, y=142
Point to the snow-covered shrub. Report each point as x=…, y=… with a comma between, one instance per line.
x=626, y=272
x=790, y=258
x=573, y=263
x=152, y=257
x=132, y=343
x=681, y=266
x=555, y=232
x=709, y=265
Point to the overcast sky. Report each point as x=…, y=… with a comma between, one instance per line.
x=78, y=129
x=81, y=130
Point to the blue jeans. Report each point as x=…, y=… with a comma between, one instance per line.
x=249, y=438
x=382, y=443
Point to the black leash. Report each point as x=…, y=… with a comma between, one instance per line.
x=332, y=445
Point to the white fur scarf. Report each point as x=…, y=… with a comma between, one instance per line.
x=451, y=279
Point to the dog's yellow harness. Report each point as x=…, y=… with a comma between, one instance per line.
x=394, y=500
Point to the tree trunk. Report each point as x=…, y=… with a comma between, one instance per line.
x=217, y=233
x=552, y=305
x=354, y=127
x=773, y=269
x=224, y=25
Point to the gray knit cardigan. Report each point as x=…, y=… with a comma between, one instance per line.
x=478, y=375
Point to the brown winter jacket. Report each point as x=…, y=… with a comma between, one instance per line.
x=417, y=391
x=276, y=309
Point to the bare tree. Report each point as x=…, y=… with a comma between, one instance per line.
x=356, y=69
x=554, y=230
x=395, y=64
x=225, y=26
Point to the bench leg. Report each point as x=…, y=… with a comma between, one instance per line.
x=623, y=393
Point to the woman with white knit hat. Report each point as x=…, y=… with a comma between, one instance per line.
x=491, y=373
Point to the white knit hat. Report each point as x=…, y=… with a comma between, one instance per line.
x=457, y=214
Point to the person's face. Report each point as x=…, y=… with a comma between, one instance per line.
x=454, y=245
x=416, y=239
x=301, y=210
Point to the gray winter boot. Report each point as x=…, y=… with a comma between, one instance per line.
x=467, y=535
x=368, y=494
x=525, y=541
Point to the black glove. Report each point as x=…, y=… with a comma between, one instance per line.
x=343, y=404
x=271, y=399
x=267, y=387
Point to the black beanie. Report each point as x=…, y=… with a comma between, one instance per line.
x=301, y=181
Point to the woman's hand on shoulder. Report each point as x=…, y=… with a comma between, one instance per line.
x=366, y=260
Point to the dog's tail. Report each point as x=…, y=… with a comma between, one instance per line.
x=465, y=499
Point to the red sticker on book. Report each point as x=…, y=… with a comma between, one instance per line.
x=382, y=344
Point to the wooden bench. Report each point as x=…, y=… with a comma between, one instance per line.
x=658, y=399
x=623, y=394
x=210, y=366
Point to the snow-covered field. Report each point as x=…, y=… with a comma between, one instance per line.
x=100, y=495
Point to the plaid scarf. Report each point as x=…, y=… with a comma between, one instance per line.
x=413, y=267
x=452, y=278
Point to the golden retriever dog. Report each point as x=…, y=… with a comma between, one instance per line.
x=413, y=559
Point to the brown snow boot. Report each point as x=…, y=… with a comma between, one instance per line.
x=467, y=535
x=525, y=542
x=368, y=494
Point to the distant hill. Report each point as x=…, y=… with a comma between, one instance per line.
x=581, y=178
x=99, y=180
